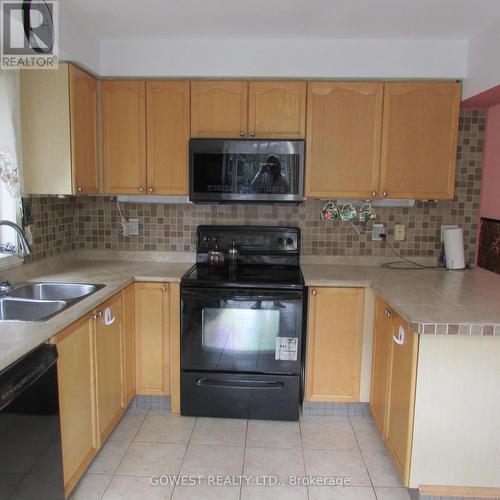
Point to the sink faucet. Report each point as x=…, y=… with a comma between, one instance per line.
x=25, y=246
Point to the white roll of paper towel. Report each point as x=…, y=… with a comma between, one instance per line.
x=454, y=248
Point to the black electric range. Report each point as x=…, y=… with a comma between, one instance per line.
x=242, y=326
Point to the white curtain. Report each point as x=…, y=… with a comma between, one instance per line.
x=10, y=144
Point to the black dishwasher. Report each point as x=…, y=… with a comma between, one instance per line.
x=30, y=439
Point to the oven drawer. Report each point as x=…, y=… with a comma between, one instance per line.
x=270, y=397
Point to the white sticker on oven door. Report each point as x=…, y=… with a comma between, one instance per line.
x=286, y=348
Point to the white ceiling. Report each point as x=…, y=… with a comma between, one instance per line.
x=412, y=19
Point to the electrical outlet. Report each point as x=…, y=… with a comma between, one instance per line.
x=399, y=232
x=130, y=227
x=133, y=227
x=377, y=230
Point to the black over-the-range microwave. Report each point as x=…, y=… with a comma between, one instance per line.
x=229, y=171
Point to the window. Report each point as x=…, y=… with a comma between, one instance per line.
x=10, y=156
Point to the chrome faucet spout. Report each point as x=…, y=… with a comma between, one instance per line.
x=25, y=246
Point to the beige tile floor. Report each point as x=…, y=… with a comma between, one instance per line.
x=155, y=442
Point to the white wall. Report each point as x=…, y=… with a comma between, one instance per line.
x=76, y=44
x=483, y=70
x=306, y=58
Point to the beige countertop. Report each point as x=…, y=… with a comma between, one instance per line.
x=18, y=338
x=432, y=301
x=443, y=302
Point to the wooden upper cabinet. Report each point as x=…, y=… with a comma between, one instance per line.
x=382, y=339
x=344, y=125
x=277, y=110
x=83, y=121
x=59, y=131
x=219, y=109
x=401, y=399
x=167, y=111
x=334, y=338
x=124, y=136
x=419, y=142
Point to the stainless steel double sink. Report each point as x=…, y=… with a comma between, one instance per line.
x=40, y=301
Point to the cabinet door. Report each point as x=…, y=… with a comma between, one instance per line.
x=109, y=365
x=128, y=297
x=419, y=140
x=401, y=401
x=45, y=131
x=167, y=111
x=344, y=126
x=83, y=112
x=219, y=109
x=124, y=136
x=152, y=342
x=335, y=330
x=382, y=339
x=77, y=399
x=277, y=110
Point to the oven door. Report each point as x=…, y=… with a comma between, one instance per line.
x=241, y=331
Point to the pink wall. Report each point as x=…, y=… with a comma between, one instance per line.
x=490, y=184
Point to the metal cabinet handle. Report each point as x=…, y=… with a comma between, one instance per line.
x=385, y=193
x=314, y=292
x=151, y=189
x=96, y=316
x=163, y=288
x=400, y=339
x=242, y=134
x=252, y=134
x=140, y=189
x=108, y=319
x=79, y=189
x=374, y=193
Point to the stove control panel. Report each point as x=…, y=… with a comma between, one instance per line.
x=249, y=239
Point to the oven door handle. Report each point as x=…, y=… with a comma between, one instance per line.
x=240, y=384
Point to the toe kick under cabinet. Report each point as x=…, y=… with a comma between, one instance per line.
x=436, y=402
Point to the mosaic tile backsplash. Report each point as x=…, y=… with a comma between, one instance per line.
x=173, y=227
x=53, y=227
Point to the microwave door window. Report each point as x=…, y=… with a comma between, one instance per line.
x=212, y=173
x=270, y=178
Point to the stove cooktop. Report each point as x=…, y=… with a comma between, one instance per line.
x=245, y=275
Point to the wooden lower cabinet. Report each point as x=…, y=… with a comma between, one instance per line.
x=77, y=399
x=152, y=339
x=394, y=374
x=128, y=298
x=104, y=356
x=109, y=365
x=380, y=363
x=401, y=397
x=334, y=337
